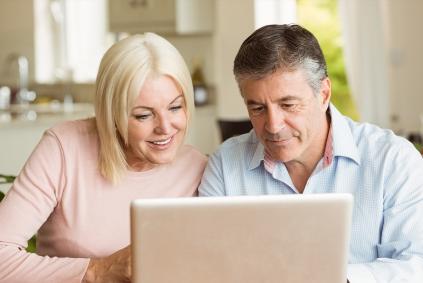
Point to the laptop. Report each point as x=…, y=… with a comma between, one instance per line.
x=248, y=239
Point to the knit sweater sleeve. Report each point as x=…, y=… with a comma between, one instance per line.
x=32, y=198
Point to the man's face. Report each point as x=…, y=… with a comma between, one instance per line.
x=288, y=118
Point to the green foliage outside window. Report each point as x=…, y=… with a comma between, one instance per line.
x=321, y=18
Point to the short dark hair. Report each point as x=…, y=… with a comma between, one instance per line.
x=285, y=47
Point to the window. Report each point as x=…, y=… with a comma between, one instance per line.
x=321, y=18
x=274, y=12
x=70, y=39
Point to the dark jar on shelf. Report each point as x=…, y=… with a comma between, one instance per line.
x=201, y=95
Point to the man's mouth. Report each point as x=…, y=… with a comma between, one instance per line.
x=280, y=140
x=280, y=137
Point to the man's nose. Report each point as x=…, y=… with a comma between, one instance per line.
x=275, y=121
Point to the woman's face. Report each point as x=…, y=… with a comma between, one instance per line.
x=157, y=124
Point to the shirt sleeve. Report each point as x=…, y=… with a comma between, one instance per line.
x=400, y=251
x=27, y=205
x=212, y=183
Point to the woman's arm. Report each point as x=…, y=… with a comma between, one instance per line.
x=28, y=204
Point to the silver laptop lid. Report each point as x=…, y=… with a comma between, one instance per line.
x=278, y=238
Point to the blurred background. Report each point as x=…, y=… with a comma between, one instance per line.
x=50, y=52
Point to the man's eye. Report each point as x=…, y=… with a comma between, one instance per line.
x=255, y=110
x=289, y=107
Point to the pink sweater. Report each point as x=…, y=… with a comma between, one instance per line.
x=77, y=213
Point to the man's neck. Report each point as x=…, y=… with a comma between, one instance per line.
x=301, y=170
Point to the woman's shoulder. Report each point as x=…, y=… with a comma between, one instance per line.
x=190, y=154
x=189, y=161
x=74, y=127
x=76, y=135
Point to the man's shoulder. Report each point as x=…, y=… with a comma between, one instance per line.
x=368, y=138
x=363, y=131
x=374, y=140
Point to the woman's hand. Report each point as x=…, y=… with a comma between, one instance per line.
x=115, y=268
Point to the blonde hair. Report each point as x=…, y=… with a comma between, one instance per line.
x=121, y=75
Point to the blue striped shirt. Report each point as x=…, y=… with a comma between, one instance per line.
x=382, y=171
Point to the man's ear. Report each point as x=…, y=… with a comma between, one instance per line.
x=325, y=93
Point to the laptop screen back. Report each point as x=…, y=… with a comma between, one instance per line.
x=283, y=238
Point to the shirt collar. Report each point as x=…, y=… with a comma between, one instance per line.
x=343, y=140
x=258, y=155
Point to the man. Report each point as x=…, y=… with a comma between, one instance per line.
x=302, y=144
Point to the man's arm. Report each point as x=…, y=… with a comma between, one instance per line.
x=400, y=251
x=387, y=270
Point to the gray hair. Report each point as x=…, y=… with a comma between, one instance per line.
x=281, y=47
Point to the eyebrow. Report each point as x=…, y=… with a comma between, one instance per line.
x=151, y=108
x=284, y=99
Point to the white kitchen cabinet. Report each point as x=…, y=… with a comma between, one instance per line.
x=19, y=137
x=161, y=16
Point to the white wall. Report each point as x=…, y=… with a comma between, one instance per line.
x=16, y=36
x=405, y=40
x=197, y=48
x=234, y=22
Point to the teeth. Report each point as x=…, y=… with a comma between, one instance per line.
x=162, y=142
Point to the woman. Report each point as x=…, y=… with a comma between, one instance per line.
x=77, y=185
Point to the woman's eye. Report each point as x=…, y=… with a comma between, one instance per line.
x=142, y=117
x=175, y=108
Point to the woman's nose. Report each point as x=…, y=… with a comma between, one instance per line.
x=163, y=124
